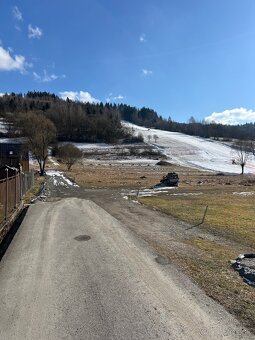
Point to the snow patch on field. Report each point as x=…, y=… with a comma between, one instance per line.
x=60, y=179
x=91, y=146
x=52, y=161
x=244, y=193
x=187, y=194
x=147, y=192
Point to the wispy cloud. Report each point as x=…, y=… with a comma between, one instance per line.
x=17, y=15
x=34, y=32
x=80, y=96
x=232, y=117
x=12, y=63
x=147, y=72
x=142, y=38
x=46, y=78
x=112, y=98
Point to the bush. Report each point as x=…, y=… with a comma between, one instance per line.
x=69, y=154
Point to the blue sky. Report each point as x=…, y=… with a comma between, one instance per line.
x=180, y=57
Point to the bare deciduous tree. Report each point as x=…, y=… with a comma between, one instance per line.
x=149, y=138
x=40, y=132
x=70, y=154
x=242, y=153
x=155, y=138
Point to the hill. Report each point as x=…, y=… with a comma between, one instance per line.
x=191, y=151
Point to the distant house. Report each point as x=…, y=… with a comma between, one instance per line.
x=14, y=154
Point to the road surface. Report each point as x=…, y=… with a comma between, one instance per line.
x=73, y=271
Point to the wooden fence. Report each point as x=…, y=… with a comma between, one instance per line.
x=12, y=190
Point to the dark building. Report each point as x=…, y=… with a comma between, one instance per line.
x=14, y=154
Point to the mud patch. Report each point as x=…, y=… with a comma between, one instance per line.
x=82, y=238
x=162, y=260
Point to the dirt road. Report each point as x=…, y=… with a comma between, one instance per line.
x=73, y=271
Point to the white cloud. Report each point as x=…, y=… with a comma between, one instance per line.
x=232, y=117
x=112, y=98
x=147, y=72
x=9, y=63
x=81, y=96
x=142, y=38
x=17, y=14
x=34, y=32
x=45, y=78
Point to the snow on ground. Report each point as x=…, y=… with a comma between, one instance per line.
x=147, y=192
x=59, y=179
x=196, y=152
x=86, y=146
x=52, y=161
x=244, y=193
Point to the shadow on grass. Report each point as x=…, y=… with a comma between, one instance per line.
x=11, y=233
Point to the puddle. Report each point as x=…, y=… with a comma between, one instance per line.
x=82, y=238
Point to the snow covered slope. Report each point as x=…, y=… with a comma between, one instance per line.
x=194, y=152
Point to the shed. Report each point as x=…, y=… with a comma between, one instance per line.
x=13, y=153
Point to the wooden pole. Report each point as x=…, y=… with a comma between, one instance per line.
x=6, y=195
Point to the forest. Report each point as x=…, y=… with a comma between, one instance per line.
x=86, y=122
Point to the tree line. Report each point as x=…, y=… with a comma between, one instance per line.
x=149, y=118
x=86, y=122
x=74, y=121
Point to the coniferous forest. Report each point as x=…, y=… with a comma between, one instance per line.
x=86, y=122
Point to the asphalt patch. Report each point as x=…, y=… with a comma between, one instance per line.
x=82, y=238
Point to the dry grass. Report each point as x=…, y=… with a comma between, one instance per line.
x=119, y=176
x=230, y=215
x=213, y=273
x=34, y=191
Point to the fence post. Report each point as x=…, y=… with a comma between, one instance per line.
x=20, y=185
x=15, y=193
x=6, y=195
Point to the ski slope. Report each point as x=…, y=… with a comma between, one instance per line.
x=195, y=152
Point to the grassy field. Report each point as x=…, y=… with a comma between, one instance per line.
x=120, y=176
x=230, y=212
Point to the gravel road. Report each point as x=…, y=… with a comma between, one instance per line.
x=73, y=271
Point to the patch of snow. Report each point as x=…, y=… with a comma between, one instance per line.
x=149, y=192
x=187, y=194
x=59, y=178
x=85, y=146
x=52, y=161
x=245, y=193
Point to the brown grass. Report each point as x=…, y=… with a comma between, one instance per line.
x=213, y=273
x=228, y=214
x=34, y=191
x=119, y=176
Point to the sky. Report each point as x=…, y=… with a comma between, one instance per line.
x=181, y=58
